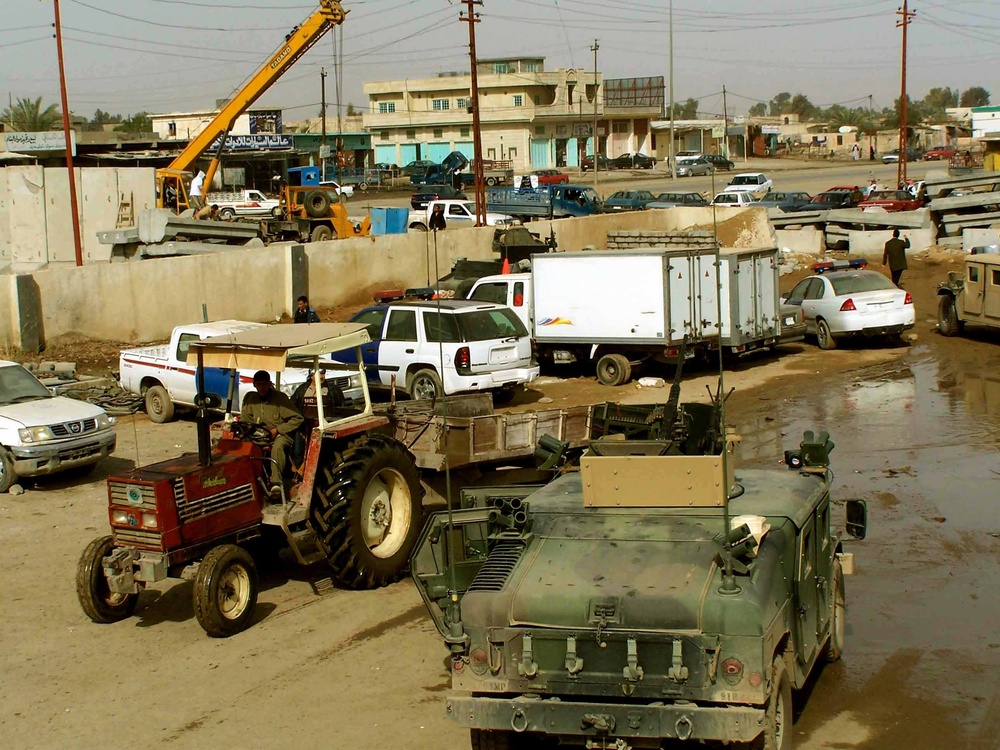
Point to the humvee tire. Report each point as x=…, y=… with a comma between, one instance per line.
x=835, y=646
x=225, y=591
x=948, y=323
x=98, y=603
x=366, y=512
x=777, y=734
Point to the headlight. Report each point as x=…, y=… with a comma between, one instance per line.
x=119, y=517
x=149, y=520
x=354, y=381
x=104, y=422
x=35, y=434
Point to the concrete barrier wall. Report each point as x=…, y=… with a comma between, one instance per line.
x=26, y=188
x=59, y=246
x=9, y=335
x=5, y=248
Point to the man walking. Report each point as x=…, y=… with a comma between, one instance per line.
x=198, y=190
x=895, y=255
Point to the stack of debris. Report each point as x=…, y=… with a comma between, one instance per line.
x=970, y=201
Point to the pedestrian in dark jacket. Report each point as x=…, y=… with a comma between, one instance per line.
x=437, y=220
x=895, y=255
x=304, y=313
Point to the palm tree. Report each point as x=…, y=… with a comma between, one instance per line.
x=27, y=116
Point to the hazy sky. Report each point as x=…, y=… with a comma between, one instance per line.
x=125, y=56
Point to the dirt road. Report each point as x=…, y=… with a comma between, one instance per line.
x=917, y=429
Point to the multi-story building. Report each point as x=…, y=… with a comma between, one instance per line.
x=530, y=116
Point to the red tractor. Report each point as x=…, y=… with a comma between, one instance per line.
x=357, y=502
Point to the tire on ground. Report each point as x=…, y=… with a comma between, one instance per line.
x=366, y=511
x=321, y=233
x=227, y=214
x=8, y=477
x=613, y=369
x=835, y=646
x=225, y=591
x=947, y=316
x=424, y=383
x=159, y=407
x=491, y=181
x=317, y=204
x=824, y=338
x=777, y=734
x=92, y=589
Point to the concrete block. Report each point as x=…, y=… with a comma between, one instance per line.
x=6, y=251
x=872, y=244
x=59, y=243
x=99, y=210
x=26, y=188
x=919, y=219
x=978, y=237
x=809, y=240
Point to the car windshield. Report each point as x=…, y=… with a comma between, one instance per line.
x=860, y=282
x=482, y=325
x=17, y=385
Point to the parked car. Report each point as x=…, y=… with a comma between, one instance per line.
x=892, y=157
x=827, y=201
x=628, y=200
x=634, y=161
x=457, y=214
x=785, y=200
x=672, y=200
x=839, y=304
x=428, y=193
x=892, y=200
x=603, y=163
x=346, y=190
x=793, y=323
x=752, y=182
x=384, y=166
x=941, y=152
x=43, y=434
x=484, y=347
x=736, y=200
x=720, y=162
x=694, y=167
x=551, y=176
x=417, y=167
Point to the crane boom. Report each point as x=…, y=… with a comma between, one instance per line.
x=298, y=41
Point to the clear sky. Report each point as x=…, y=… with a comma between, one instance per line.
x=124, y=56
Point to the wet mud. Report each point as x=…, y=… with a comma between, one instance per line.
x=919, y=439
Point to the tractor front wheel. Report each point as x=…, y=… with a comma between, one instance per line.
x=225, y=591
x=366, y=512
x=92, y=589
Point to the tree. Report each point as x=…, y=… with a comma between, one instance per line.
x=27, y=116
x=801, y=106
x=915, y=112
x=976, y=96
x=758, y=110
x=351, y=111
x=937, y=100
x=140, y=122
x=779, y=103
x=687, y=110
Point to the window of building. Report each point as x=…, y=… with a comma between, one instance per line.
x=384, y=135
x=561, y=130
x=464, y=132
x=438, y=132
x=491, y=153
x=840, y=140
x=512, y=153
x=619, y=127
x=531, y=67
x=386, y=108
x=439, y=105
x=538, y=100
x=518, y=100
x=461, y=104
x=411, y=135
x=539, y=130
x=501, y=68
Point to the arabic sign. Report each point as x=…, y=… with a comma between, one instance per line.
x=275, y=142
x=265, y=121
x=52, y=140
x=582, y=129
x=771, y=130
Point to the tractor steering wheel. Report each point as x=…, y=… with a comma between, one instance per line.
x=251, y=431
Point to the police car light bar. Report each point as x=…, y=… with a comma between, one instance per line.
x=840, y=265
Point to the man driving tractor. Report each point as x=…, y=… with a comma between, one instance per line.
x=268, y=406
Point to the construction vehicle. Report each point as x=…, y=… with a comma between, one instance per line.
x=172, y=181
x=312, y=212
x=355, y=499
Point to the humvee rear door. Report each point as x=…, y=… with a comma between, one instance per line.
x=974, y=284
x=807, y=604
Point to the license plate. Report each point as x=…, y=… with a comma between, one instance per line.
x=503, y=355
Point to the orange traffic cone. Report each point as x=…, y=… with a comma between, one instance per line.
x=506, y=266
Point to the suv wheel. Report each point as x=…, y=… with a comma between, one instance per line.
x=424, y=384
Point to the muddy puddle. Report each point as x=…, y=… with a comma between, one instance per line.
x=919, y=439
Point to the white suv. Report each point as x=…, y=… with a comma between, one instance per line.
x=41, y=433
x=484, y=347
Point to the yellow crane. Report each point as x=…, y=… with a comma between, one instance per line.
x=171, y=181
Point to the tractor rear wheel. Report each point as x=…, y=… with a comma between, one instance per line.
x=92, y=589
x=225, y=591
x=317, y=204
x=366, y=512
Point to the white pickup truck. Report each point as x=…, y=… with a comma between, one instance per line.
x=244, y=203
x=163, y=376
x=456, y=214
x=42, y=434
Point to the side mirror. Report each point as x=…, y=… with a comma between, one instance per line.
x=208, y=401
x=857, y=519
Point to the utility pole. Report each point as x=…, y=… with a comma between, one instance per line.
x=323, y=148
x=725, y=124
x=470, y=17
x=670, y=153
x=597, y=140
x=67, y=134
x=906, y=18
x=873, y=131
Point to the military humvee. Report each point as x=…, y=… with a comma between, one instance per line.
x=971, y=295
x=634, y=600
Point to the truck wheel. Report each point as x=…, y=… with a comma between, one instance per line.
x=838, y=620
x=948, y=324
x=7, y=476
x=424, y=384
x=98, y=603
x=366, y=512
x=491, y=181
x=321, y=233
x=159, y=407
x=227, y=214
x=276, y=212
x=419, y=227
x=613, y=369
x=362, y=186
x=317, y=204
x=225, y=591
x=777, y=733
x=824, y=338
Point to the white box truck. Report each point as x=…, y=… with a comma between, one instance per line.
x=619, y=309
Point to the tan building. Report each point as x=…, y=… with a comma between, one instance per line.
x=529, y=116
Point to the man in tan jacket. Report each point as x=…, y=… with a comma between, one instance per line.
x=268, y=406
